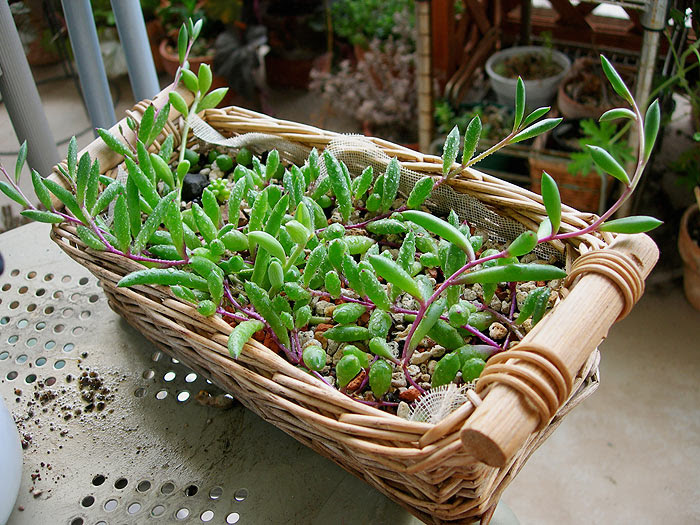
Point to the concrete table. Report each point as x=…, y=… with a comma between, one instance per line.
x=116, y=432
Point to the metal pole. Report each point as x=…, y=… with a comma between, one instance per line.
x=424, y=76
x=653, y=22
x=93, y=79
x=134, y=40
x=21, y=97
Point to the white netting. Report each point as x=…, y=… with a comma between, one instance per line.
x=358, y=152
x=438, y=403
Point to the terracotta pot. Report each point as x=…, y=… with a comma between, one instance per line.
x=171, y=62
x=690, y=253
x=571, y=108
x=156, y=34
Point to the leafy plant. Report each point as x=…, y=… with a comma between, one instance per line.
x=360, y=21
x=388, y=270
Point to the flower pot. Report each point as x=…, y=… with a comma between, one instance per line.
x=690, y=253
x=541, y=91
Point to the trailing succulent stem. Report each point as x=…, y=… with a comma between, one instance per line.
x=330, y=268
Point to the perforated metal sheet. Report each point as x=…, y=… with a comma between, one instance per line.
x=114, y=432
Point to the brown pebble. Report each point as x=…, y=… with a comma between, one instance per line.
x=410, y=394
x=357, y=381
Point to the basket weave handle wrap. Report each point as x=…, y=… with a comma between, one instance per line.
x=617, y=267
x=522, y=384
x=547, y=388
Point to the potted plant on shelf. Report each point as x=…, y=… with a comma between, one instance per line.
x=360, y=21
x=687, y=166
x=584, y=91
x=367, y=302
x=541, y=67
x=379, y=90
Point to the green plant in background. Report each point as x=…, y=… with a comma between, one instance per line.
x=687, y=165
x=496, y=120
x=386, y=270
x=603, y=134
x=359, y=21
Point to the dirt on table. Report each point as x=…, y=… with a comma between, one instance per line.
x=530, y=66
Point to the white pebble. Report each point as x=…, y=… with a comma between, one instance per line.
x=403, y=410
x=497, y=331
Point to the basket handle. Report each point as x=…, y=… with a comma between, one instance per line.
x=109, y=159
x=528, y=384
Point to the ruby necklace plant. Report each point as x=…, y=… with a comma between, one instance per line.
x=395, y=271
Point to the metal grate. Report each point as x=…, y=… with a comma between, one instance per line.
x=116, y=432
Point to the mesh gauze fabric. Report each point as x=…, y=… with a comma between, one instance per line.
x=358, y=152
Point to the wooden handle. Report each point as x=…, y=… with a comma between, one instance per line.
x=500, y=426
x=109, y=159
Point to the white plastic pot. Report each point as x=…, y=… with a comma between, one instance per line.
x=539, y=92
x=10, y=463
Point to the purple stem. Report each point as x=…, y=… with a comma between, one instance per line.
x=404, y=365
x=485, y=338
x=255, y=315
x=511, y=314
x=297, y=343
x=407, y=352
x=226, y=313
x=502, y=318
x=319, y=376
x=343, y=297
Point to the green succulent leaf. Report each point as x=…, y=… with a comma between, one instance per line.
x=178, y=103
x=518, y=272
x=519, y=103
x=535, y=115
x=182, y=39
x=552, y=200
x=616, y=80
x=21, y=159
x=42, y=216
x=634, y=224
x=392, y=177
x=346, y=369
x=269, y=243
x=608, y=164
x=471, y=138
x=543, y=126
x=122, y=231
x=440, y=228
x=450, y=150
x=114, y=143
x=380, y=377
x=616, y=113
x=13, y=194
x=146, y=124
x=211, y=100
x=240, y=335
x=652, y=121
x=71, y=158
x=40, y=189
x=394, y=274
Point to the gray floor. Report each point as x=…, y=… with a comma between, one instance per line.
x=628, y=454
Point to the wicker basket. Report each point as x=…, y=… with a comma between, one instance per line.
x=454, y=471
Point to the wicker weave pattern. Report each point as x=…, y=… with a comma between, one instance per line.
x=423, y=467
